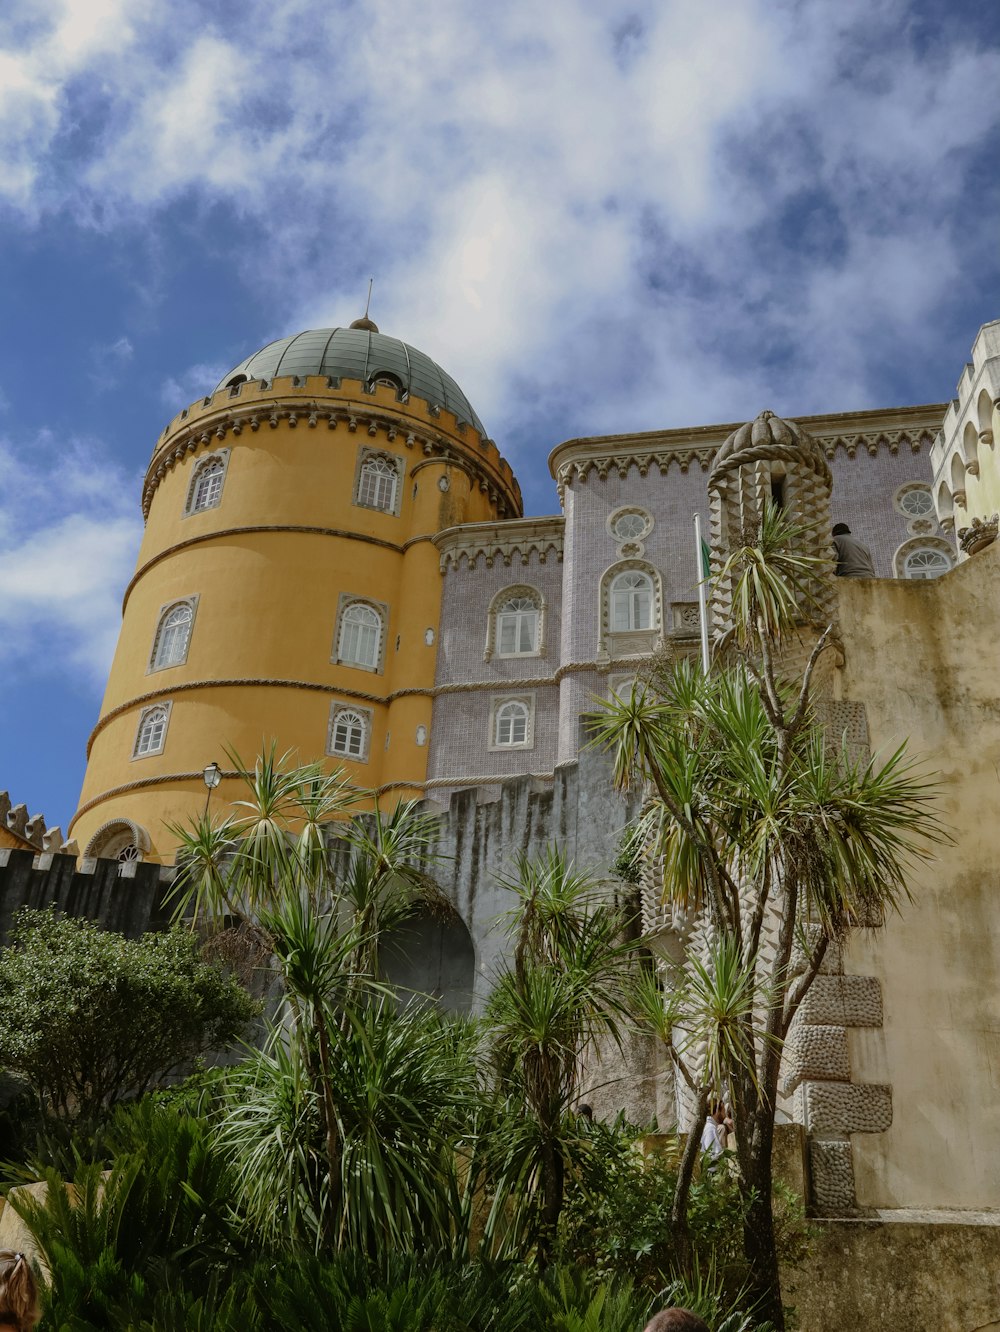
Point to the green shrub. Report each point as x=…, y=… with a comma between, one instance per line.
x=92, y=1018
x=159, y=1221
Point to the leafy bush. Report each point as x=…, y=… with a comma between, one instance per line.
x=159, y=1220
x=618, y=1211
x=91, y=1018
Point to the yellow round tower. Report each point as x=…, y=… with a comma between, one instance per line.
x=287, y=586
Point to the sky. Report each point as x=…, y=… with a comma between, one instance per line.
x=597, y=217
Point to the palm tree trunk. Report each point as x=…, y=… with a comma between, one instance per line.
x=678, y=1208
x=330, y=1120
x=552, y=1199
x=759, y=1246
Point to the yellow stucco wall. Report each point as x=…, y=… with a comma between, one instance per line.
x=269, y=567
x=922, y=656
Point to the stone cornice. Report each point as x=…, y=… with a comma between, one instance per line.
x=503, y=540
x=208, y=423
x=890, y=428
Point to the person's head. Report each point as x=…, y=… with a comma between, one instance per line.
x=18, y=1292
x=676, y=1320
x=719, y=1112
x=841, y=529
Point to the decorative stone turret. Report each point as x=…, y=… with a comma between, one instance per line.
x=771, y=459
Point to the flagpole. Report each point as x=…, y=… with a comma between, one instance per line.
x=702, y=574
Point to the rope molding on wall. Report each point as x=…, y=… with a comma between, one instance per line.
x=249, y=682
x=142, y=782
x=399, y=549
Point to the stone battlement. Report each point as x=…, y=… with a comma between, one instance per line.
x=313, y=401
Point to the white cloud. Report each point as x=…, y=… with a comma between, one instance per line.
x=108, y=360
x=195, y=381
x=69, y=533
x=608, y=207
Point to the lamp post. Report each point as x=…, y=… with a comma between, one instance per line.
x=212, y=776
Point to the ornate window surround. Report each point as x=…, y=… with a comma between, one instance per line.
x=366, y=455
x=614, y=644
x=120, y=839
x=365, y=716
x=165, y=610
x=499, y=600
x=145, y=716
x=924, y=488
x=497, y=702
x=216, y=456
x=914, y=544
x=348, y=599
x=630, y=546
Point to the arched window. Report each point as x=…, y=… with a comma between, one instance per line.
x=152, y=732
x=631, y=601
x=926, y=562
x=349, y=732
x=517, y=626
x=511, y=725
x=377, y=483
x=387, y=379
x=208, y=485
x=173, y=636
x=360, y=638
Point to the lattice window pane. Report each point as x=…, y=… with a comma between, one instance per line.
x=208, y=486
x=377, y=485
x=360, y=635
x=173, y=637
x=152, y=730
x=517, y=627
x=512, y=724
x=927, y=564
x=349, y=733
x=631, y=602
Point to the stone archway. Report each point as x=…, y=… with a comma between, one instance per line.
x=432, y=954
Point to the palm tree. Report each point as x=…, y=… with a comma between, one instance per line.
x=768, y=827
x=343, y=1126
x=562, y=992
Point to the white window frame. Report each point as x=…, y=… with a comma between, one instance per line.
x=145, y=718
x=387, y=464
x=155, y=662
x=914, y=546
x=349, y=602
x=631, y=603
x=497, y=612
x=363, y=716
x=202, y=465
x=504, y=707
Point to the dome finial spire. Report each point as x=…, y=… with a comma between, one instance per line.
x=364, y=322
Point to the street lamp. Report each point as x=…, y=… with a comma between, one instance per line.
x=212, y=776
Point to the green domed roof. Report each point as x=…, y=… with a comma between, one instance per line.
x=359, y=353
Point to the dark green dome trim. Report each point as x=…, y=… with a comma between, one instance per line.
x=354, y=353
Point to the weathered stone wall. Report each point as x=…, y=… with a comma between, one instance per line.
x=130, y=899
x=931, y=1272
x=922, y=657
x=479, y=840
